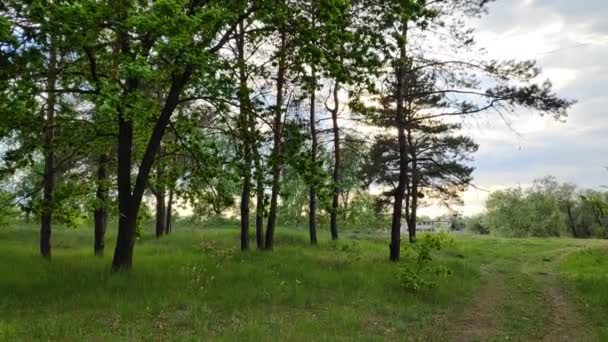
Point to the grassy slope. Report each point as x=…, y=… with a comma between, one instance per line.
x=195, y=283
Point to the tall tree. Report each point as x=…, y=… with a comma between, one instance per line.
x=277, y=128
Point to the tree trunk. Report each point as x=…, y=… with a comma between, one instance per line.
x=130, y=202
x=101, y=210
x=245, y=126
x=395, y=246
x=127, y=215
x=414, y=200
x=336, y=172
x=259, y=205
x=49, y=157
x=276, y=149
x=161, y=208
x=168, y=225
x=571, y=221
x=312, y=198
x=161, y=214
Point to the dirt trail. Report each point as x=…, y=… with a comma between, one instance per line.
x=565, y=322
x=480, y=319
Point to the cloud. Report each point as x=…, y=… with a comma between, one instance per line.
x=570, y=42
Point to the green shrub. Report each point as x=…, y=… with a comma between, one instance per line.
x=417, y=273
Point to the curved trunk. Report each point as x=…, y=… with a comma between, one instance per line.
x=130, y=202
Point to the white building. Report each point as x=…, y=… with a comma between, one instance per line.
x=428, y=226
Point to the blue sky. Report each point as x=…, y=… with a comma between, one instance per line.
x=569, y=39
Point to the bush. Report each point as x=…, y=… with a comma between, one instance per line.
x=419, y=274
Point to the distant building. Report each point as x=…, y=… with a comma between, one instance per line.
x=428, y=226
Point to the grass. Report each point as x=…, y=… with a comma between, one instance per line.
x=195, y=285
x=587, y=272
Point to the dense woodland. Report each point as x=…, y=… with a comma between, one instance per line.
x=321, y=113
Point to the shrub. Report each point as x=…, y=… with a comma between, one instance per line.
x=420, y=274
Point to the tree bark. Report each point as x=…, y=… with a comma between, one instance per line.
x=245, y=127
x=336, y=176
x=101, y=210
x=49, y=156
x=312, y=198
x=276, y=149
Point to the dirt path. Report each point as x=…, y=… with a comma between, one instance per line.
x=565, y=321
x=480, y=319
x=483, y=318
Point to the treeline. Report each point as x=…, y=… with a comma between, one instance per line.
x=105, y=103
x=546, y=209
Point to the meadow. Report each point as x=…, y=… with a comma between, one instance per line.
x=196, y=285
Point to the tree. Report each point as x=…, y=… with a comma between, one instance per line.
x=458, y=92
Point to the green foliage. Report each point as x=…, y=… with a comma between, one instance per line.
x=8, y=211
x=548, y=208
x=417, y=273
x=513, y=213
x=362, y=212
x=477, y=224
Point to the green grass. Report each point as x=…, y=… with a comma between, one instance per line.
x=587, y=272
x=196, y=285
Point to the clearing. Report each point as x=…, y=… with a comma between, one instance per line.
x=196, y=284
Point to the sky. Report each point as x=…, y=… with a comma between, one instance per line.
x=569, y=39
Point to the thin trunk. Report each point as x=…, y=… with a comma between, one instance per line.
x=571, y=221
x=276, y=149
x=336, y=176
x=161, y=208
x=408, y=206
x=245, y=126
x=312, y=198
x=259, y=206
x=245, y=214
x=168, y=225
x=101, y=210
x=395, y=246
x=49, y=156
x=414, y=199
